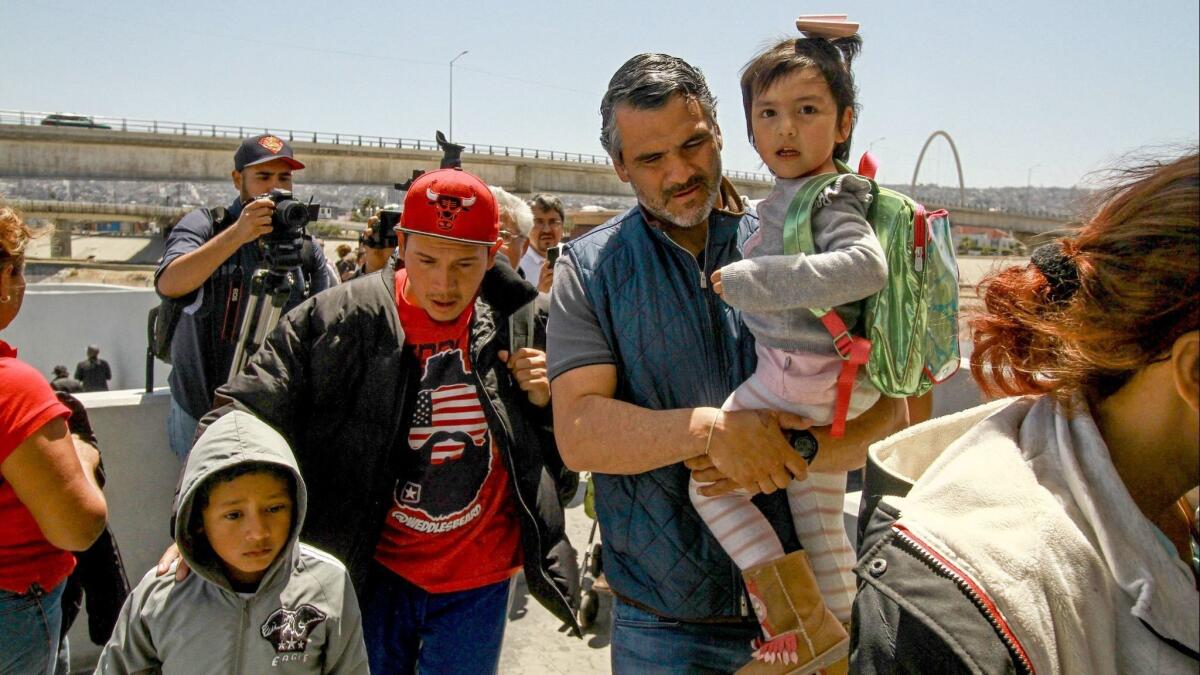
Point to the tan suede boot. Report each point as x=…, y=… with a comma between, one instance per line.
x=802, y=635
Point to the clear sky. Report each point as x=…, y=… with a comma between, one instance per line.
x=1031, y=91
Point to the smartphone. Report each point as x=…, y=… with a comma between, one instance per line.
x=552, y=254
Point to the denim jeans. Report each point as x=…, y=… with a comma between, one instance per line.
x=409, y=630
x=181, y=430
x=29, y=628
x=645, y=643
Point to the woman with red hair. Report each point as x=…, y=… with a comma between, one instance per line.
x=1020, y=536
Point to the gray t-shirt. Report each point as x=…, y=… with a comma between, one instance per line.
x=573, y=335
x=775, y=291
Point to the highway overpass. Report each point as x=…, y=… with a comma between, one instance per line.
x=180, y=152
x=176, y=151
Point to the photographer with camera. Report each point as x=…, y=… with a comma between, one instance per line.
x=210, y=259
x=379, y=239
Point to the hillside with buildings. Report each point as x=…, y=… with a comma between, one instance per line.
x=343, y=198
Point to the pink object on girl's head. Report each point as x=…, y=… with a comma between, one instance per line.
x=827, y=26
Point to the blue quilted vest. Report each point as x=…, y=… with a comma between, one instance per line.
x=677, y=345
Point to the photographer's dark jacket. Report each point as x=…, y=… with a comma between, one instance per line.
x=335, y=379
x=206, y=337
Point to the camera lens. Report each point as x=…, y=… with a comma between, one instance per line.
x=293, y=214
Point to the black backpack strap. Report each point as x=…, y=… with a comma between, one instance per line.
x=219, y=217
x=163, y=319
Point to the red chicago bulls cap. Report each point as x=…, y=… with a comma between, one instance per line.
x=451, y=204
x=263, y=148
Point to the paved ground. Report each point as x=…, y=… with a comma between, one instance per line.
x=536, y=642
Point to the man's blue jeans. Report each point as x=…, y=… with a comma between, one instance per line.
x=409, y=630
x=645, y=643
x=181, y=430
x=29, y=628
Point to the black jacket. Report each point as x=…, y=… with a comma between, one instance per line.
x=911, y=614
x=335, y=380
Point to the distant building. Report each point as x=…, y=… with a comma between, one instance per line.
x=334, y=212
x=986, y=239
x=584, y=219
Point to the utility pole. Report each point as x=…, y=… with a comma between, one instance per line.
x=460, y=55
x=1029, y=187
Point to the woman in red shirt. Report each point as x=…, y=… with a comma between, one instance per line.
x=49, y=500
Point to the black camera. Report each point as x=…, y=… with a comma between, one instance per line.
x=282, y=245
x=290, y=216
x=383, y=233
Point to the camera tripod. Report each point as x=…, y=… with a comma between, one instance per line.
x=270, y=289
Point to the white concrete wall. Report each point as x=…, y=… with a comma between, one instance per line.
x=142, y=472
x=58, y=321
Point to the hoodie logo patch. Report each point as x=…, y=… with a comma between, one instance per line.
x=288, y=629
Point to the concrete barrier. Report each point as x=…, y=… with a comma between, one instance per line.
x=58, y=321
x=142, y=472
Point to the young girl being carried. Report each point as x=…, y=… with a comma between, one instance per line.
x=799, y=98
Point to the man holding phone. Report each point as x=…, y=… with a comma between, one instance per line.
x=548, y=219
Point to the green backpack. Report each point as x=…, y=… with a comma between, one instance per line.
x=909, y=339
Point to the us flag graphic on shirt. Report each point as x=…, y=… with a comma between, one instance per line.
x=449, y=412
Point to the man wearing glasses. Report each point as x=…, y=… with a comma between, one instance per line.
x=548, y=219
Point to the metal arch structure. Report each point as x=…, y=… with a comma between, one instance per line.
x=962, y=188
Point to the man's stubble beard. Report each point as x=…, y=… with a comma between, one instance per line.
x=700, y=213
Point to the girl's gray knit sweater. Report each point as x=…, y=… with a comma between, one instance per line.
x=774, y=291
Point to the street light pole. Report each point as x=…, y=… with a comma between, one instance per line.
x=872, y=143
x=460, y=55
x=1029, y=187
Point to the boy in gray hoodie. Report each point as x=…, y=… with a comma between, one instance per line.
x=259, y=601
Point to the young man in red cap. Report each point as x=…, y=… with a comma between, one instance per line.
x=423, y=440
x=210, y=257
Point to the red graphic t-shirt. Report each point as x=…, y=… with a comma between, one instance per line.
x=453, y=523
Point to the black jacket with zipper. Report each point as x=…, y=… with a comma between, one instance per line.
x=912, y=617
x=335, y=380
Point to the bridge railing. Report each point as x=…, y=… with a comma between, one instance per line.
x=955, y=204
x=28, y=118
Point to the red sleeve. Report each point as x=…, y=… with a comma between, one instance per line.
x=26, y=404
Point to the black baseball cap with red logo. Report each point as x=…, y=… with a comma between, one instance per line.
x=263, y=148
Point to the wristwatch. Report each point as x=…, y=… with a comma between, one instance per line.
x=804, y=442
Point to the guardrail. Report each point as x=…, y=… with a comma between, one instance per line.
x=55, y=206
x=30, y=118
x=952, y=206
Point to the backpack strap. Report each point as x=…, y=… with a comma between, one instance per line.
x=797, y=225
x=855, y=351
